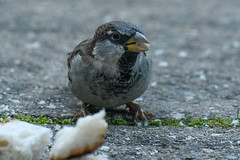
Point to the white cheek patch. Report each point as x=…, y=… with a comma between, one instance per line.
x=106, y=55
x=106, y=49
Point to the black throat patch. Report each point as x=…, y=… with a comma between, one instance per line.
x=127, y=78
x=126, y=64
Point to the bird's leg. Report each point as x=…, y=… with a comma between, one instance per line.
x=137, y=111
x=84, y=111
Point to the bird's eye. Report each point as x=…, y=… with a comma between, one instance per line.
x=115, y=36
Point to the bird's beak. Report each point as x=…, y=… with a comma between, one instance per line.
x=137, y=43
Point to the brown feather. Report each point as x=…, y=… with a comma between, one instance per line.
x=81, y=49
x=86, y=47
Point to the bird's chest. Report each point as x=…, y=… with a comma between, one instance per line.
x=130, y=80
x=120, y=84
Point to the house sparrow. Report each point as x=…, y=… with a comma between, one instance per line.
x=111, y=68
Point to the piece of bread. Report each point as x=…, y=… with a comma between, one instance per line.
x=85, y=137
x=90, y=157
x=23, y=141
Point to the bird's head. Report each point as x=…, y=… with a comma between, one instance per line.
x=113, y=39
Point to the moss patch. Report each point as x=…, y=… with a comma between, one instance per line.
x=3, y=118
x=188, y=122
x=213, y=122
x=38, y=120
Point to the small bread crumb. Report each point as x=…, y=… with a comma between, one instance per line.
x=21, y=140
x=91, y=157
x=85, y=137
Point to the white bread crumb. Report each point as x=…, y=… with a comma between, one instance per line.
x=91, y=157
x=23, y=141
x=86, y=136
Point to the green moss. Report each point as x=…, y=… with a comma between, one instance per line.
x=35, y=120
x=195, y=122
x=116, y=121
x=171, y=122
x=39, y=120
x=214, y=122
x=63, y=121
x=155, y=122
x=188, y=122
x=3, y=118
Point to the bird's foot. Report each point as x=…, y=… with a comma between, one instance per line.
x=138, y=113
x=84, y=111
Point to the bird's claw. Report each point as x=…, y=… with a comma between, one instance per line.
x=138, y=112
x=84, y=112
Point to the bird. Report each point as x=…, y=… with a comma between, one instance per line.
x=111, y=68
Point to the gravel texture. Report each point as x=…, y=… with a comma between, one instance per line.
x=195, y=47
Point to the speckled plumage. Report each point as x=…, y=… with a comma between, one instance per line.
x=103, y=72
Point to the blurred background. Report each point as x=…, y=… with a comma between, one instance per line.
x=194, y=45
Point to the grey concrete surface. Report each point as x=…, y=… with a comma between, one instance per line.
x=195, y=47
